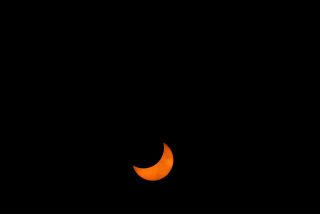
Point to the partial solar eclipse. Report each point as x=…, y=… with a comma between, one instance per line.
x=160, y=169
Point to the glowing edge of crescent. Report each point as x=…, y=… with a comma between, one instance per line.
x=160, y=169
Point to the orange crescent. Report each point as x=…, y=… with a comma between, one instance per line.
x=160, y=169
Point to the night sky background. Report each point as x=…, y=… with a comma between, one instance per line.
x=220, y=132
x=209, y=100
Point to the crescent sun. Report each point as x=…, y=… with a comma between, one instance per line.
x=160, y=169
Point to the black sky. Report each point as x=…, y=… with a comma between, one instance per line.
x=82, y=144
x=97, y=108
